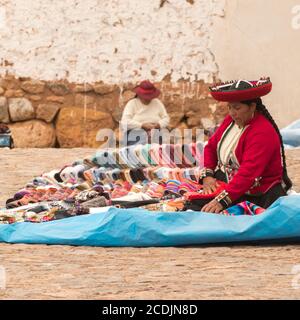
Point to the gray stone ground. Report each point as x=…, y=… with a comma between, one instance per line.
x=65, y=272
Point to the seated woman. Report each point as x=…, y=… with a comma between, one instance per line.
x=246, y=151
x=142, y=114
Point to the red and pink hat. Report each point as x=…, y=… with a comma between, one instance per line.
x=146, y=90
x=241, y=90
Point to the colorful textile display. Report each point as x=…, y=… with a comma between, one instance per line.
x=78, y=188
x=140, y=156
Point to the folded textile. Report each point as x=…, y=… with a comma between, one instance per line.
x=133, y=196
x=173, y=186
x=155, y=190
x=244, y=208
x=77, y=172
x=86, y=195
x=188, y=155
x=133, y=204
x=190, y=196
x=96, y=202
x=40, y=212
x=65, y=174
x=50, y=177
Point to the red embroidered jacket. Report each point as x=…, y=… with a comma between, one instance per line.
x=258, y=153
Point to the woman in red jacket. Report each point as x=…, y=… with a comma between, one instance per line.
x=246, y=151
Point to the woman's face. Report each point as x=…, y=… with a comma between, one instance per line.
x=146, y=102
x=241, y=113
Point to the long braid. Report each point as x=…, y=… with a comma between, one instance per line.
x=265, y=112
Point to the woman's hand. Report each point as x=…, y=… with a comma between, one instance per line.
x=147, y=126
x=209, y=185
x=155, y=125
x=150, y=125
x=213, y=207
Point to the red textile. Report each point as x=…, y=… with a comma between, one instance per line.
x=192, y=195
x=258, y=153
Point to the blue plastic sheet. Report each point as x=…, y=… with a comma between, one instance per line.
x=138, y=227
x=291, y=135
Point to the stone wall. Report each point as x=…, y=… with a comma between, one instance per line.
x=64, y=114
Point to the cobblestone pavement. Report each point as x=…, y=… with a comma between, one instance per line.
x=66, y=272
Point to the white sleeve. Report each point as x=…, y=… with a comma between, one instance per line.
x=165, y=119
x=127, y=121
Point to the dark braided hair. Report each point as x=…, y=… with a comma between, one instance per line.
x=265, y=112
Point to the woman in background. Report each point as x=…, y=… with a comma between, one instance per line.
x=143, y=113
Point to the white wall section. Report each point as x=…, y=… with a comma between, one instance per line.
x=114, y=41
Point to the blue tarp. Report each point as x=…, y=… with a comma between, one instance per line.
x=138, y=227
x=291, y=135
